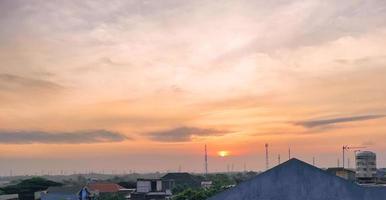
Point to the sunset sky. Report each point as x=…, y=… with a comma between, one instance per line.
x=144, y=84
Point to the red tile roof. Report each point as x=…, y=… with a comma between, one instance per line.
x=105, y=187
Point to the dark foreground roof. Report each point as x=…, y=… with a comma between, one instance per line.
x=297, y=180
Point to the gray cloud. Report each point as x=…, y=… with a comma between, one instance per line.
x=332, y=121
x=369, y=61
x=13, y=82
x=89, y=136
x=183, y=134
x=368, y=143
x=14, y=89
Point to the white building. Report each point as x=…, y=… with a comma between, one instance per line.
x=147, y=185
x=152, y=189
x=366, y=164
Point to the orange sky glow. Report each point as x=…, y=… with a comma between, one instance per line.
x=144, y=85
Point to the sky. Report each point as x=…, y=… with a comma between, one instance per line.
x=143, y=85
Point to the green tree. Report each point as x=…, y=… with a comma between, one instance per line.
x=26, y=188
x=220, y=182
x=198, y=194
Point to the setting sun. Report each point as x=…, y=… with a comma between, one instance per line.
x=223, y=153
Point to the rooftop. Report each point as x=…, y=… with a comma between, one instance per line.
x=294, y=180
x=183, y=178
x=105, y=187
x=65, y=189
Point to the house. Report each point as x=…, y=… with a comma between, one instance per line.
x=67, y=193
x=9, y=197
x=152, y=189
x=366, y=167
x=343, y=173
x=182, y=180
x=105, y=189
x=294, y=180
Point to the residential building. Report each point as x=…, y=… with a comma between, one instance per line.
x=152, y=189
x=366, y=166
x=67, y=193
x=182, y=180
x=347, y=174
x=295, y=180
x=106, y=189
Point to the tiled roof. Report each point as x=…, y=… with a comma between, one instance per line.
x=104, y=187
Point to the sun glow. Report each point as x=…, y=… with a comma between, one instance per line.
x=223, y=153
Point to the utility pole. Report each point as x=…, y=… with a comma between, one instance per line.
x=266, y=157
x=278, y=159
x=206, y=161
x=343, y=149
x=313, y=161
x=348, y=163
x=289, y=153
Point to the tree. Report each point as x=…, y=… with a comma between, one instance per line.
x=220, y=182
x=198, y=194
x=26, y=188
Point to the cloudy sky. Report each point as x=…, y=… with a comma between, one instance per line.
x=143, y=84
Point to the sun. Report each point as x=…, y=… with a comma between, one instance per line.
x=223, y=153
